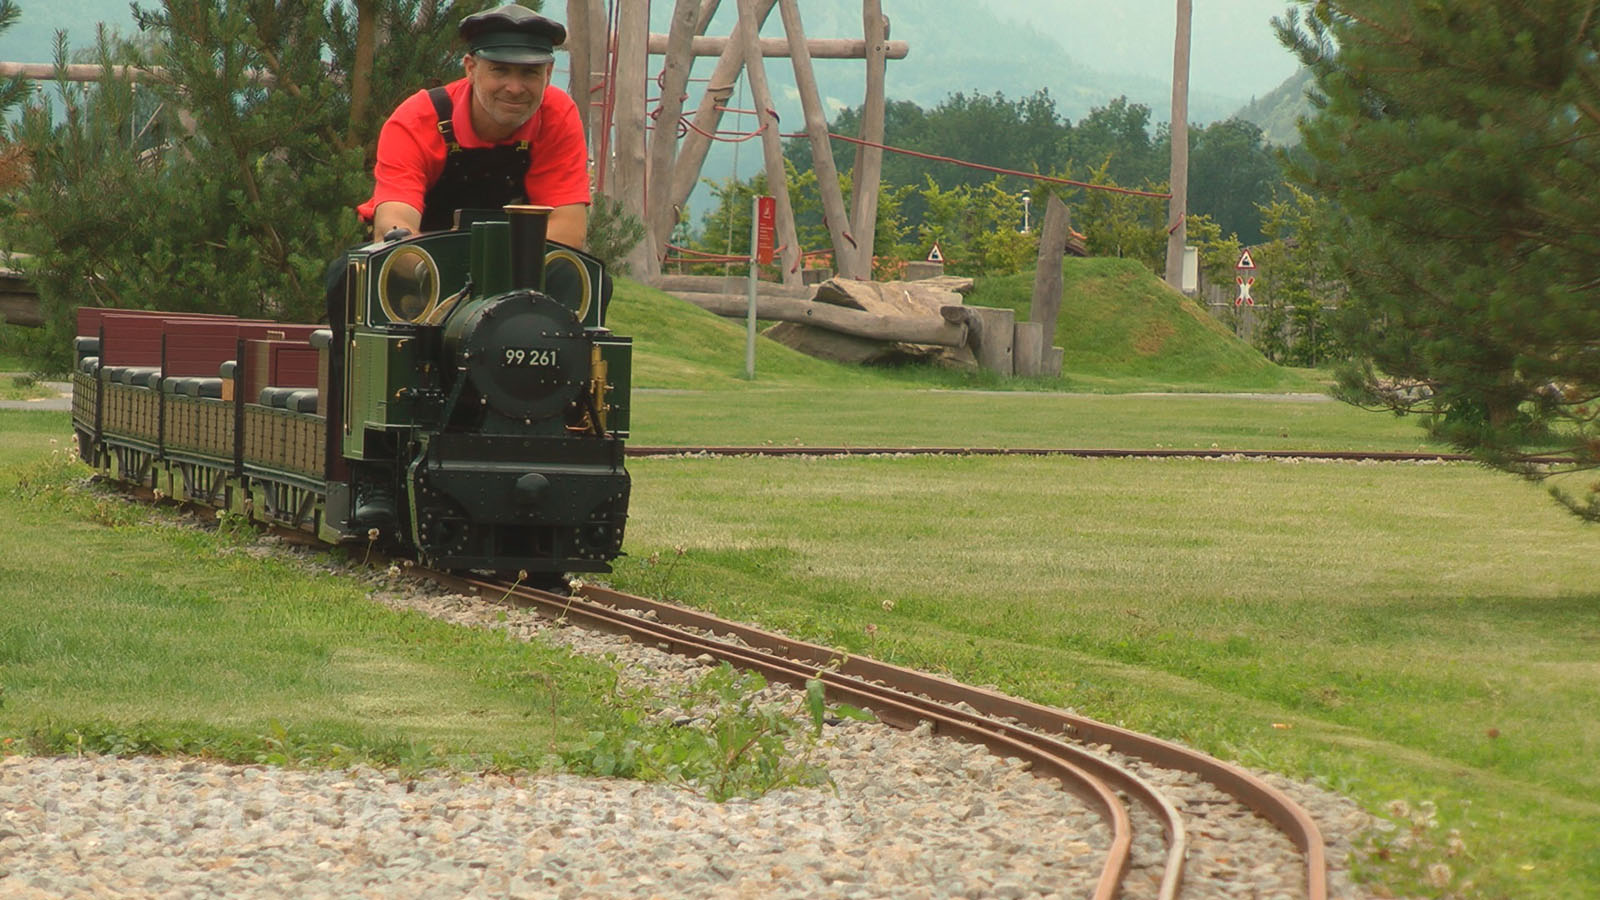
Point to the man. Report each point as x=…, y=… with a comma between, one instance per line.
x=500, y=135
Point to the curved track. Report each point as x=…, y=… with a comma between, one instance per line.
x=1054, y=742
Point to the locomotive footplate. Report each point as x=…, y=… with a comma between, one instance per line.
x=482, y=502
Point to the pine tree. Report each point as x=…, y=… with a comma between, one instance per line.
x=228, y=182
x=1459, y=144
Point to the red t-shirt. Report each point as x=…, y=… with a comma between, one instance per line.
x=411, y=151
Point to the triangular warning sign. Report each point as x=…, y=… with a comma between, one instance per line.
x=934, y=255
x=1245, y=262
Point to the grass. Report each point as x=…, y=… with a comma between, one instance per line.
x=1122, y=329
x=23, y=387
x=129, y=623
x=1426, y=633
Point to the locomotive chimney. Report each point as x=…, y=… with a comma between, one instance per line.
x=529, y=225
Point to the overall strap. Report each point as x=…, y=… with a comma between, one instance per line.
x=443, y=108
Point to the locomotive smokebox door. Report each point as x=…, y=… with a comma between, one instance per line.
x=526, y=356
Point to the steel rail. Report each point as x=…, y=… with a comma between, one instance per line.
x=1266, y=801
x=1083, y=453
x=1082, y=774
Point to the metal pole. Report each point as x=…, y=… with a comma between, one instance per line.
x=750, y=291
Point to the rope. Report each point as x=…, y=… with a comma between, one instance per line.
x=996, y=169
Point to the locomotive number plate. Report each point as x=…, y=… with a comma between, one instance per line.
x=527, y=357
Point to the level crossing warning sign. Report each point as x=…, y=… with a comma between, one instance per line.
x=1245, y=279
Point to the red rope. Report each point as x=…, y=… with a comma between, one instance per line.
x=996, y=169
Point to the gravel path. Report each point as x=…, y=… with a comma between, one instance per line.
x=909, y=816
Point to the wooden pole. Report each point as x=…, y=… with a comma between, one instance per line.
x=844, y=251
x=771, y=143
x=708, y=116
x=664, y=139
x=1046, y=306
x=821, y=48
x=868, y=172
x=1178, y=206
x=580, y=74
x=597, y=123
x=628, y=179
x=708, y=8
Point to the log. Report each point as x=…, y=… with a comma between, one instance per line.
x=821, y=48
x=664, y=141
x=898, y=329
x=1046, y=308
x=1054, y=360
x=771, y=140
x=628, y=155
x=19, y=303
x=580, y=74
x=991, y=332
x=824, y=344
x=889, y=298
x=727, y=284
x=867, y=174
x=1027, y=352
x=845, y=258
x=708, y=115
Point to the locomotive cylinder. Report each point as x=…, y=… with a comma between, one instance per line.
x=529, y=228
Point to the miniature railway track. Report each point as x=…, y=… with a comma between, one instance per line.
x=1081, y=453
x=1052, y=741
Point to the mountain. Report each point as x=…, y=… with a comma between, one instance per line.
x=1278, y=110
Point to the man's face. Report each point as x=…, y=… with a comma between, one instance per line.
x=505, y=95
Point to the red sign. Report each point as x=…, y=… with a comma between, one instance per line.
x=766, y=228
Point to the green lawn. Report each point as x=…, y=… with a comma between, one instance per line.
x=118, y=621
x=1426, y=632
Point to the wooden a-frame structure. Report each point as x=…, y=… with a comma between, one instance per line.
x=652, y=175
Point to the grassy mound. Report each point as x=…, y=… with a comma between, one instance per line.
x=1119, y=323
x=678, y=345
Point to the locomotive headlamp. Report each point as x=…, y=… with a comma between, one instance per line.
x=567, y=280
x=408, y=285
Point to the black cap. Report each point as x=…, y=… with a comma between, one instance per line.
x=513, y=34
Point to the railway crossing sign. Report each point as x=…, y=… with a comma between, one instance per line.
x=1245, y=279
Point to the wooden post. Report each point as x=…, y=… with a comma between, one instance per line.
x=991, y=333
x=598, y=37
x=707, y=117
x=664, y=139
x=580, y=76
x=821, y=48
x=844, y=252
x=868, y=171
x=708, y=8
x=1028, y=349
x=628, y=179
x=1046, y=306
x=1178, y=181
x=771, y=143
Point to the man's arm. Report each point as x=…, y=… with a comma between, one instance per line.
x=569, y=224
x=395, y=214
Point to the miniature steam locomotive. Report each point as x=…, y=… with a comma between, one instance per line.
x=468, y=407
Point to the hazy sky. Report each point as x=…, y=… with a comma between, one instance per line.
x=1233, y=52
